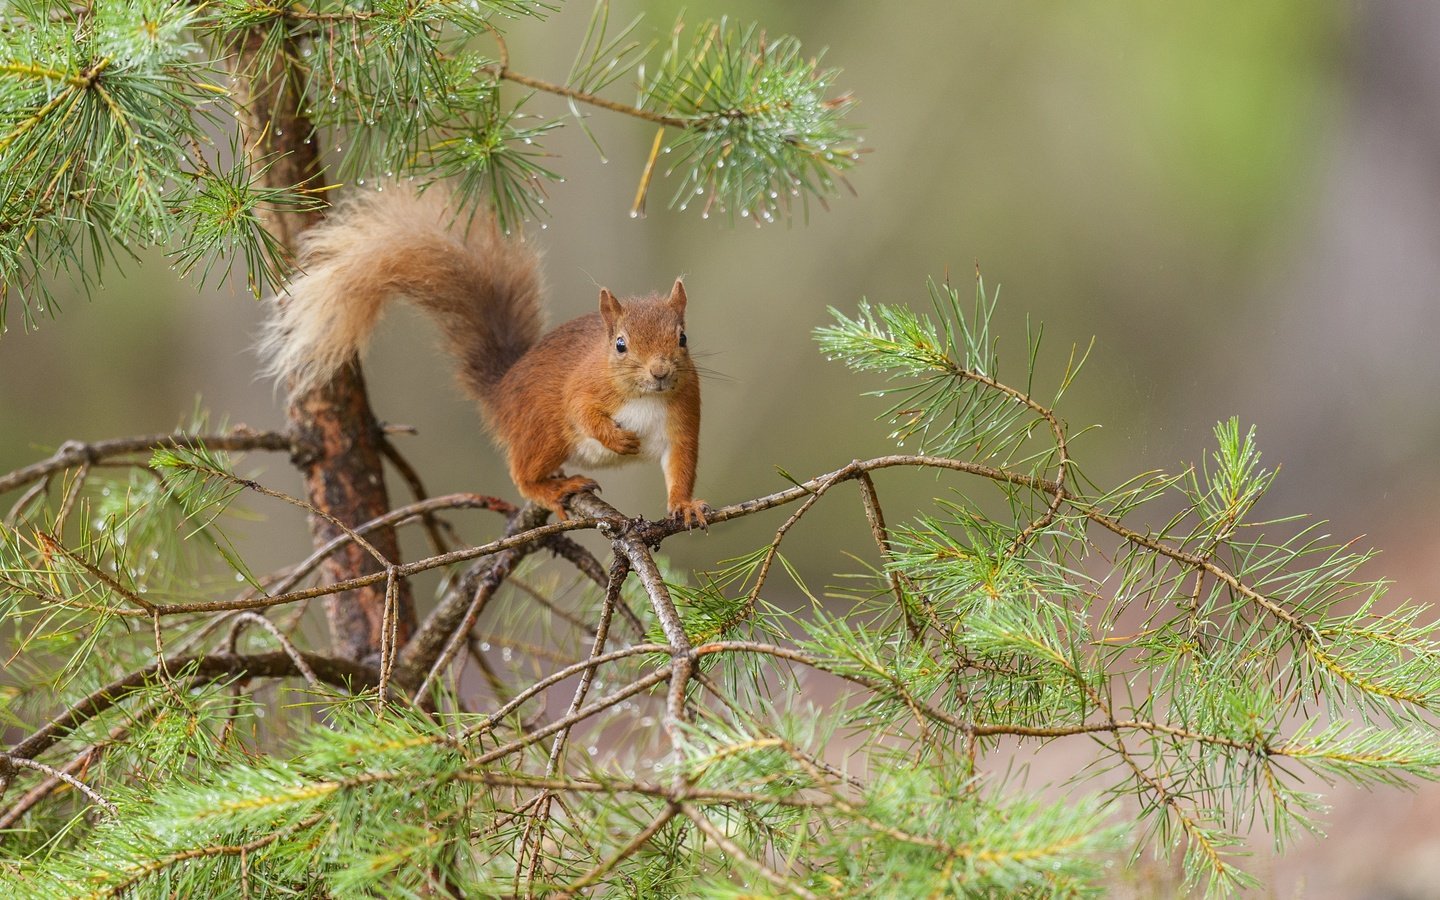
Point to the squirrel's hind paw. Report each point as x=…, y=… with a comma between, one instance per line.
x=555, y=491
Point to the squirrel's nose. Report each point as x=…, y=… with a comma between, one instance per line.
x=661, y=371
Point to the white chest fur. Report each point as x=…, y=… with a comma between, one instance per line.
x=647, y=417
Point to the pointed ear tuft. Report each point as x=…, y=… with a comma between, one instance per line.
x=677, y=297
x=609, y=310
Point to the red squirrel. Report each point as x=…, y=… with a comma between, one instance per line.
x=597, y=391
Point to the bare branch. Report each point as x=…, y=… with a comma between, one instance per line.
x=21, y=762
x=73, y=453
x=301, y=665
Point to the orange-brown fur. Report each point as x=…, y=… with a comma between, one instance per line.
x=543, y=397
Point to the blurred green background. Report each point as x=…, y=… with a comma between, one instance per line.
x=1240, y=202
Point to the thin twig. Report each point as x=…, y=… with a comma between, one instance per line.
x=604, y=703
x=433, y=524
x=389, y=634
x=561, y=90
x=301, y=665
x=619, y=568
x=77, y=784
x=71, y=496
x=312, y=509
x=555, y=678
x=52, y=544
x=876, y=517
x=735, y=851
x=81, y=762
x=36, y=490
x=639, y=840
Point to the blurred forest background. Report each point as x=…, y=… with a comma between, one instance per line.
x=1240, y=202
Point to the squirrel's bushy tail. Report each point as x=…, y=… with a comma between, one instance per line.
x=482, y=288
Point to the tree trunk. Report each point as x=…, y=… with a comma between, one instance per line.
x=333, y=425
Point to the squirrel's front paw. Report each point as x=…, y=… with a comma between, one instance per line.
x=626, y=442
x=691, y=513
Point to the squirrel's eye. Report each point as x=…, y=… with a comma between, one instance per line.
x=682, y=338
x=620, y=344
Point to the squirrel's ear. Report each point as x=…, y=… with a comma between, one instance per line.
x=609, y=310
x=677, y=296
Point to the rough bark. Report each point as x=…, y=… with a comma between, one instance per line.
x=335, y=433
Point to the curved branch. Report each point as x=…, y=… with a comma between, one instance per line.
x=285, y=643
